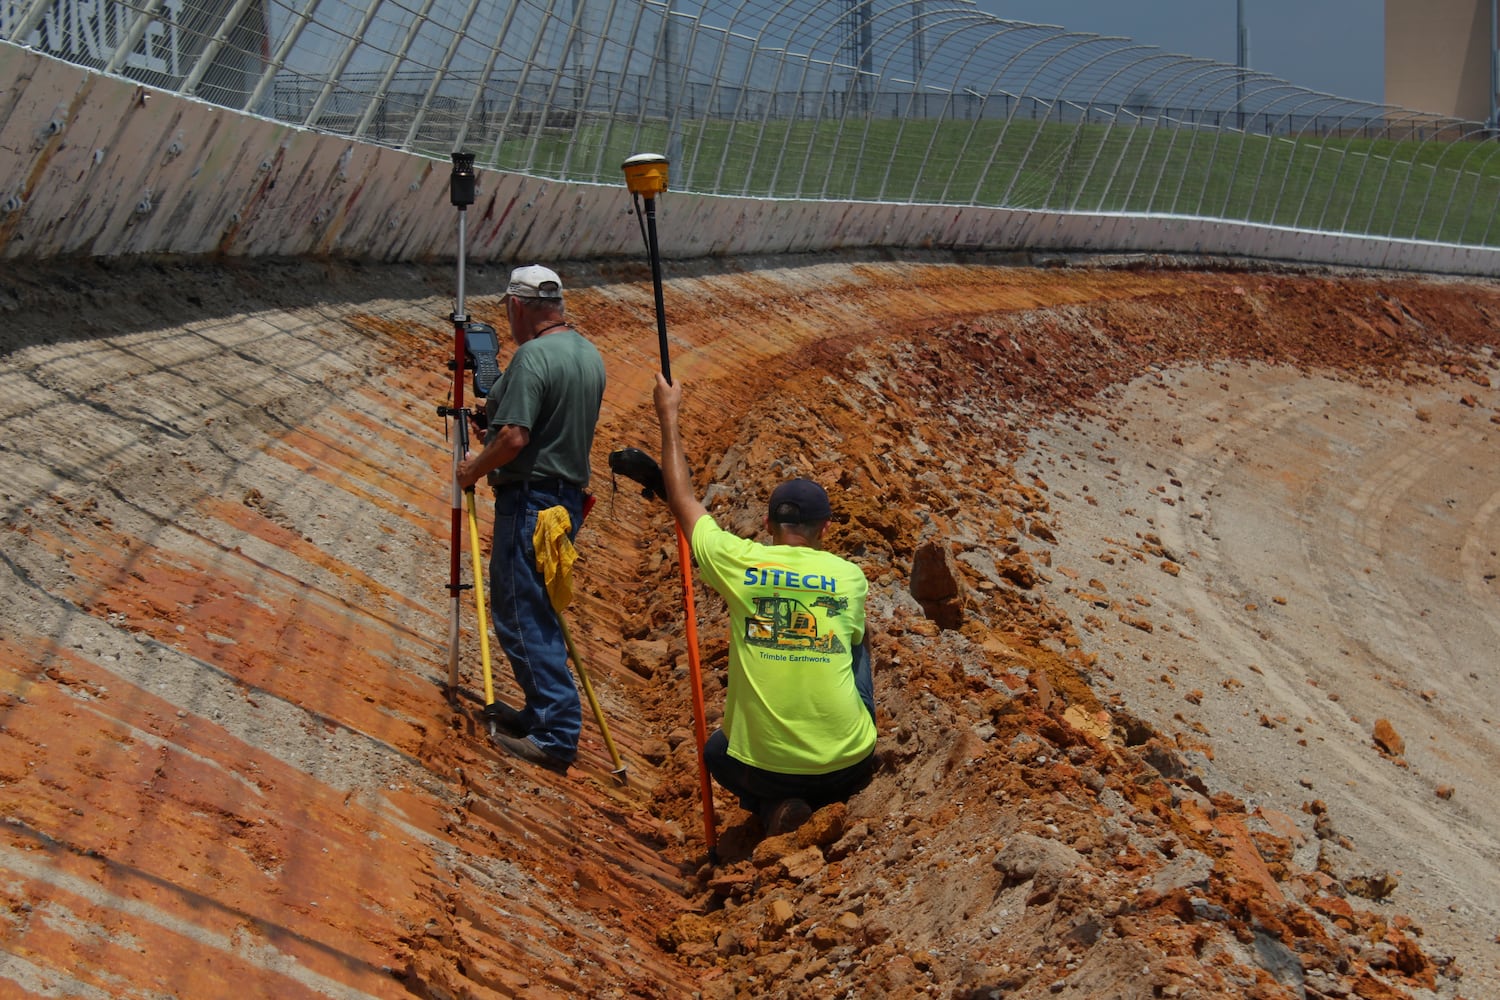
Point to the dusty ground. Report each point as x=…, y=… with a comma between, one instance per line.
x=1184, y=539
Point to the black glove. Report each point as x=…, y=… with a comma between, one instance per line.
x=636, y=465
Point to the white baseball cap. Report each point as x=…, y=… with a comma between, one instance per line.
x=534, y=282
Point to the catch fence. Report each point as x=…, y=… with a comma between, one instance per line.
x=904, y=101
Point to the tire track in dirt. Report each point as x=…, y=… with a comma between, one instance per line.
x=1477, y=557
x=1318, y=525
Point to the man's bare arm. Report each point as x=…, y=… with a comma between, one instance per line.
x=678, y=481
x=503, y=446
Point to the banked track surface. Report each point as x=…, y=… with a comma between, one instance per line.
x=228, y=763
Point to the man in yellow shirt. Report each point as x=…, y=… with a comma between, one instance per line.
x=799, y=714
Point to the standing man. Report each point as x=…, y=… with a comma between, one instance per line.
x=799, y=714
x=538, y=444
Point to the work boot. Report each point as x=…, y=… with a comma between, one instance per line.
x=505, y=718
x=527, y=750
x=786, y=816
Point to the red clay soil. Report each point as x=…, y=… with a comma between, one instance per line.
x=229, y=765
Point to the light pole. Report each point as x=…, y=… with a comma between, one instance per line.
x=1241, y=59
x=1495, y=64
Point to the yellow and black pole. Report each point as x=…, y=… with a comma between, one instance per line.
x=646, y=177
x=588, y=689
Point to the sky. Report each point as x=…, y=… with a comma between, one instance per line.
x=1335, y=46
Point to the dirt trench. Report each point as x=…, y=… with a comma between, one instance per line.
x=1202, y=528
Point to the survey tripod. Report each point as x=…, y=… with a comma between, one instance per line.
x=475, y=348
x=461, y=190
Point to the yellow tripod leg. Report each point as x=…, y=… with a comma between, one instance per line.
x=484, y=620
x=588, y=689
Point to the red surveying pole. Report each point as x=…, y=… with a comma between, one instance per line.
x=461, y=194
x=646, y=177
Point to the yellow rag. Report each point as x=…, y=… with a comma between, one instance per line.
x=555, y=554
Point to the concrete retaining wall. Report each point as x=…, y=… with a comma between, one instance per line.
x=93, y=165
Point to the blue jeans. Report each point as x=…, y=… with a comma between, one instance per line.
x=864, y=677
x=759, y=790
x=525, y=624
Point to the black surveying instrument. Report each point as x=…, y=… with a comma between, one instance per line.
x=482, y=345
x=475, y=347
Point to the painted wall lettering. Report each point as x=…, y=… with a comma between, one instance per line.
x=90, y=30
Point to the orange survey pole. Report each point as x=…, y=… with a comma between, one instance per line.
x=646, y=177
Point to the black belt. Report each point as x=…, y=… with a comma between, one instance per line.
x=549, y=485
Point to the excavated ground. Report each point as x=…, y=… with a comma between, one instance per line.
x=1183, y=599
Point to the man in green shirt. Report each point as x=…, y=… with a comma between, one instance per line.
x=799, y=714
x=538, y=443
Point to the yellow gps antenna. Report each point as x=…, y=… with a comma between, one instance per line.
x=646, y=174
x=646, y=177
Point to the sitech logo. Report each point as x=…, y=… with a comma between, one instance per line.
x=776, y=577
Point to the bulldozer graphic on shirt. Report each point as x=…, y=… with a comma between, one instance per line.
x=787, y=623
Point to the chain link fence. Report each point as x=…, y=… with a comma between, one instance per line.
x=905, y=101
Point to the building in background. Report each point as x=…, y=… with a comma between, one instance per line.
x=213, y=49
x=1439, y=57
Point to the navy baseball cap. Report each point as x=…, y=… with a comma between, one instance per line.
x=799, y=501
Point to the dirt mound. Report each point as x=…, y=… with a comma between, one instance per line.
x=1184, y=538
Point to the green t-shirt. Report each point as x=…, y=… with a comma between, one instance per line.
x=553, y=387
x=795, y=615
